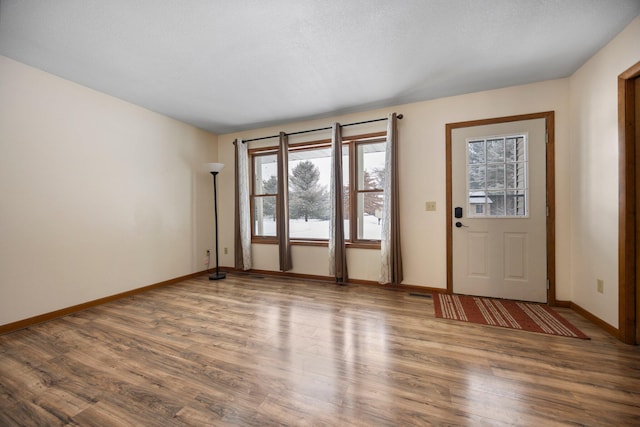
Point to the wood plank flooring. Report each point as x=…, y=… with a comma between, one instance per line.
x=250, y=350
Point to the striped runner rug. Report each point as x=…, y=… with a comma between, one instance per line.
x=505, y=313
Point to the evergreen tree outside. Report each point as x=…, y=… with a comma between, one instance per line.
x=270, y=186
x=307, y=198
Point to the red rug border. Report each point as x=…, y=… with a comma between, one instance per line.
x=579, y=334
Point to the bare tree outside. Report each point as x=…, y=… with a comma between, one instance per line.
x=374, y=201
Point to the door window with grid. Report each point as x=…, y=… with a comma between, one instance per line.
x=497, y=180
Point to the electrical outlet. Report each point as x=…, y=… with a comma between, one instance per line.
x=226, y=251
x=600, y=285
x=430, y=206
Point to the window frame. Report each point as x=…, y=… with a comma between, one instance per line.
x=352, y=142
x=307, y=146
x=355, y=191
x=257, y=238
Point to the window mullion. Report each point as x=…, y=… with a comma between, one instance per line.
x=504, y=175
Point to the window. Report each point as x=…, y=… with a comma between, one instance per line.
x=309, y=192
x=497, y=176
x=369, y=184
x=265, y=188
x=309, y=203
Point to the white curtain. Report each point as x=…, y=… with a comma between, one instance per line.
x=243, y=204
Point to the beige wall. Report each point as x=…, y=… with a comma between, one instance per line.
x=98, y=196
x=594, y=173
x=422, y=178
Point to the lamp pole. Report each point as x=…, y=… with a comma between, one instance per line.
x=214, y=168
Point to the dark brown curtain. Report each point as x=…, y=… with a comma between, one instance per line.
x=395, y=244
x=337, y=249
x=390, y=253
x=283, y=203
x=237, y=240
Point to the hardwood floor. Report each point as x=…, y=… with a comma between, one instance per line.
x=253, y=350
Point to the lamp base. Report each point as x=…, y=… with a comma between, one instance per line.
x=217, y=276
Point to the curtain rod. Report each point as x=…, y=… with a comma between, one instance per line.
x=399, y=116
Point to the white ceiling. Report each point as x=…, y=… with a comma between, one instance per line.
x=239, y=64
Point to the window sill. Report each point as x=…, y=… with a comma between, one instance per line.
x=318, y=243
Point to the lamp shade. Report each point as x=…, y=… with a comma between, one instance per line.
x=214, y=167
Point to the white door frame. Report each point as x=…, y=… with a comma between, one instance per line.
x=549, y=117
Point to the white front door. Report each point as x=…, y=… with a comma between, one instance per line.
x=499, y=206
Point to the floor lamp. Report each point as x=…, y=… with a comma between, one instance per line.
x=215, y=168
